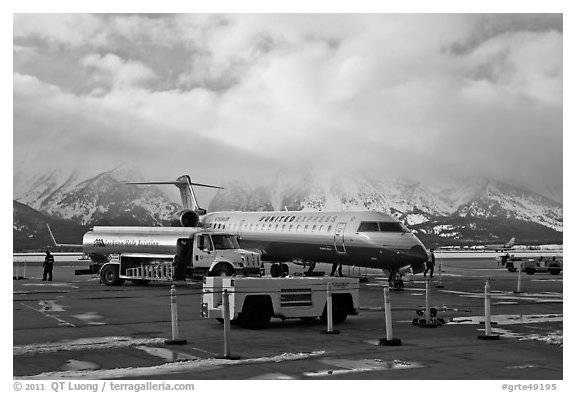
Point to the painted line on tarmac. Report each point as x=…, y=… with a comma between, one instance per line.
x=170, y=368
x=44, y=312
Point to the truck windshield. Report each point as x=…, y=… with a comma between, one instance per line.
x=225, y=242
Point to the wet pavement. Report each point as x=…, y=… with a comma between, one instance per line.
x=74, y=327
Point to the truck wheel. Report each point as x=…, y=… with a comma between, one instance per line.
x=284, y=269
x=530, y=270
x=255, y=313
x=275, y=270
x=339, y=311
x=554, y=271
x=221, y=270
x=110, y=276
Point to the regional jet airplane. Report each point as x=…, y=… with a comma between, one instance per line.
x=500, y=247
x=362, y=238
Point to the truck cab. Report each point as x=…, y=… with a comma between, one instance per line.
x=203, y=253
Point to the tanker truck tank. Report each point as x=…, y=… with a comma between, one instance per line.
x=147, y=240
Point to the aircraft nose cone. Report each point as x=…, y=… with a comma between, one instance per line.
x=418, y=253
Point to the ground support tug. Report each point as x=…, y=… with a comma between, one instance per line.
x=253, y=301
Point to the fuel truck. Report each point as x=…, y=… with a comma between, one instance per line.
x=145, y=254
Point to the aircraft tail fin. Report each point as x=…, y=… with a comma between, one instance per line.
x=184, y=185
x=511, y=242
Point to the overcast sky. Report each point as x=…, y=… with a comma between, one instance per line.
x=218, y=95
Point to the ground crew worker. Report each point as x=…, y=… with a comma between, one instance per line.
x=48, y=265
x=336, y=266
x=430, y=264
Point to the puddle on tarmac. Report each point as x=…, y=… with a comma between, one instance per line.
x=77, y=365
x=167, y=354
x=90, y=318
x=522, y=366
x=345, y=366
x=50, y=306
x=276, y=376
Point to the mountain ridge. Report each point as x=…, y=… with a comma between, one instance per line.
x=471, y=210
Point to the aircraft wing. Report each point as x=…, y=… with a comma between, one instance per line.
x=59, y=244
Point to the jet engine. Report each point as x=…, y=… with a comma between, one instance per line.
x=186, y=218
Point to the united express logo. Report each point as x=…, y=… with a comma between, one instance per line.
x=99, y=243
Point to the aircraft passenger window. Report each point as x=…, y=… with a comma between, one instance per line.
x=329, y=228
x=290, y=228
x=276, y=227
x=390, y=227
x=309, y=219
x=305, y=228
x=320, y=229
x=283, y=226
x=313, y=228
x=297, y=228
x=368, y=226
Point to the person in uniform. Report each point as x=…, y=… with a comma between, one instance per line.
x=430, y=264
x=48, y=266
x=336, y=266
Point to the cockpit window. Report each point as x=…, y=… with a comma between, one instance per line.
x=225, y=242
x=374, y=226
x=391, y=227
x=368, y=226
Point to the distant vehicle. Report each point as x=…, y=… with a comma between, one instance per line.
x=550, y=265
x=542, y=265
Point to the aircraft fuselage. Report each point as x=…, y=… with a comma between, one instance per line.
x=364, y=238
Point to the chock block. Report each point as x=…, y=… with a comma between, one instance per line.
x=489, y=337
x=178, y=341
x=395, y=342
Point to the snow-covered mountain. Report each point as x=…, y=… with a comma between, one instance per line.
x=470, y=210
x=101, y=199
x=417, y=205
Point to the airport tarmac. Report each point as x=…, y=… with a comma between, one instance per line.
x=76, y=328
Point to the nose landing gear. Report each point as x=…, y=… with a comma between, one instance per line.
x=395, y=280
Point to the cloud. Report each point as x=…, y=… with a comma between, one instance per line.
x=120, y=73
x=394, y=95
x=60, y=29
